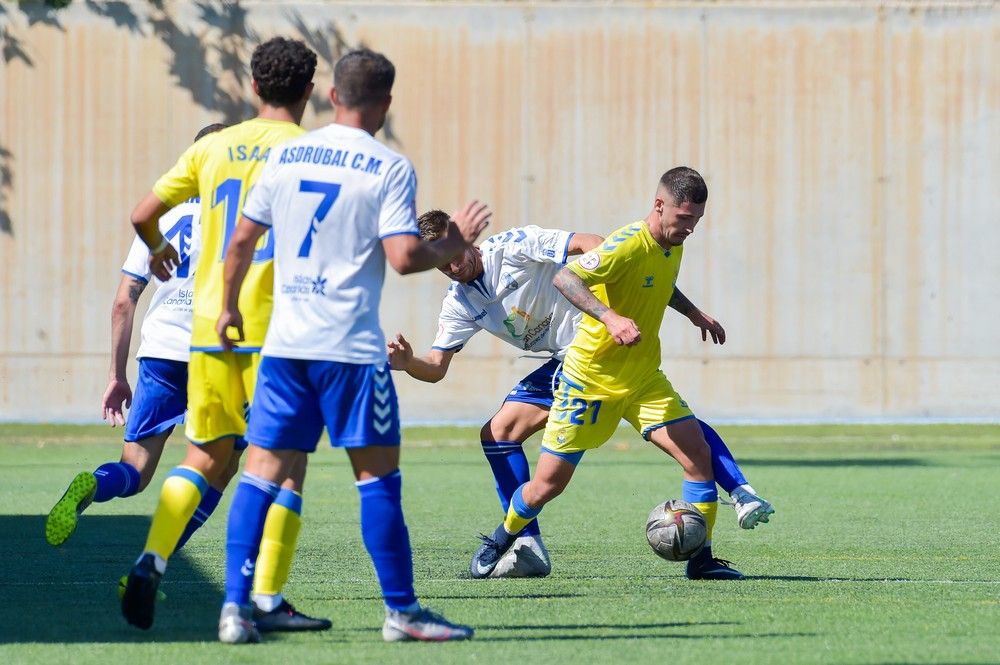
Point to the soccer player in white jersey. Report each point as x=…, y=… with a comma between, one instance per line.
x=340, y=204
x=161, y=390
x=505, y=288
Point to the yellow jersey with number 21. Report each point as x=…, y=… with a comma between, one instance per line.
x=634, y=276
x=221, y=168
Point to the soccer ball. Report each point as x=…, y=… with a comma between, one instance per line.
x=676, y=530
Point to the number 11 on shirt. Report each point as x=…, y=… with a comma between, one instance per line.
x=228, y=195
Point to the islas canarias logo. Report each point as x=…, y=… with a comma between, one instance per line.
x=523, y=328
x=517, y=323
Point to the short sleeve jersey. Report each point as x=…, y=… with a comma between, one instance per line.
x=331, y=197
x=166, y=328
x=514, y=298
x=221, y=168
x=635, y=277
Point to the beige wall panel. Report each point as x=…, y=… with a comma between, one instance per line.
x=851, y=151
x=942, y=211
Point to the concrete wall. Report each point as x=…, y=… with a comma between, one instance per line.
x=849, y=245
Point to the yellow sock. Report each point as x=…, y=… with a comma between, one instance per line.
x=519, y=514
x=709, y=510
x=277, y=546
x=180, y=495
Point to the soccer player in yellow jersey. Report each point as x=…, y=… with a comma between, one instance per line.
x=612, y=369
x=221, y=169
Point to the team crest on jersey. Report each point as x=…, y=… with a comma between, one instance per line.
x=589, y=261
x=509, y=282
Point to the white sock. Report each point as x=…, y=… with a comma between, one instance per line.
x=158, y=562
x=266, y=602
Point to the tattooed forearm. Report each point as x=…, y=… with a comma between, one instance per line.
x=135, y=289
x=679, y=302
x=577, y=293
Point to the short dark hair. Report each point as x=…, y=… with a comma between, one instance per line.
x=362, y=78
x=685, y=184
x=433, y=224
x=209, y=129
x=283, y=69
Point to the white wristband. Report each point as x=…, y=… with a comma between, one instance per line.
x=159, y=248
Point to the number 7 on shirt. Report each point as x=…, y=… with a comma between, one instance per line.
x=330, y=192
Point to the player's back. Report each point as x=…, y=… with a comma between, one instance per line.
x=332, y=195
x=166, y=327
x=221, y=168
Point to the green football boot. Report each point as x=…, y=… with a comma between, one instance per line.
x=61, y=522
x=123, y=584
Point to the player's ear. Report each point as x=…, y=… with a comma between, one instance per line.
x=333, y=97
x=255, y=86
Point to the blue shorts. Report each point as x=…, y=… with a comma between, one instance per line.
x=537, y=387
x=160, y=398
x=296, y=398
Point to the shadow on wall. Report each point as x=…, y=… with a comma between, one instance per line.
x=6, y=184
x=212, y=65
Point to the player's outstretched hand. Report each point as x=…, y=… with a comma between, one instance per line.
x=400, y=352
x=162, y=264
x=709, y=326
x=229, y=319
x=472, y=219
x=622, y=328
x=118, y=392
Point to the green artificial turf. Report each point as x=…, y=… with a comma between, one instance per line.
x=885, y=548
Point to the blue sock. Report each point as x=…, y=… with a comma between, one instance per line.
x=387, y=539
x=209, y=500
x=699, y=491
x=727, y=472
x=510, y=470
x=253, y=497
x=115, y=479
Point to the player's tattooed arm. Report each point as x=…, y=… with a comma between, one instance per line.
x=706, y=323
x=679, y=302
x=575, y=291
x=135, y=289
x=573, y=288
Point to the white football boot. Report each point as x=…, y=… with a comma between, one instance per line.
x=236, y=625
x=421, y=624
x=527, y=558
x=751, y=509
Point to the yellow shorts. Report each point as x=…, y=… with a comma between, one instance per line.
x=585, y=416
x=220, y=386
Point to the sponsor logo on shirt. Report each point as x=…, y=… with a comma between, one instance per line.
x=648, y=283
x=534, y=334
x=303, y=286
x=183, y=297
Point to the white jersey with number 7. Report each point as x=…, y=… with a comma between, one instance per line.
x=331, y=196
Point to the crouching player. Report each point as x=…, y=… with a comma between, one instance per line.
x=161, y=390
x=611, y=370
x=505, y=288
x=340, y=203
